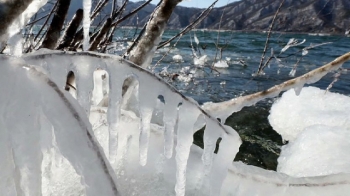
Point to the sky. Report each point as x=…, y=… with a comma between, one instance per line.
x=199, y=3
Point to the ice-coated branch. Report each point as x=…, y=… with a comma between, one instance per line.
x=9, y=11
x=131, y=13
x=100, y=35
x=69, y=33
x=268, y=38
x=193, y=24
x=53, y=34
x=144, y=51
x=224, y=109
x=45, y=23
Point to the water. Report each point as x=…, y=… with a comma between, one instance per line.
x=261, y=144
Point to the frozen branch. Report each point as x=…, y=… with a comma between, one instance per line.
x=9, y=11
x=226, y=108
x=53, y=34
x=144, y=51
x=69, y=33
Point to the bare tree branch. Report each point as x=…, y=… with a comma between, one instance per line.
x=146, y=47
x=100, y=35
x=9, y=11
x=268, y=38
x=53, y=34
x=193, y=24
x=69, y=33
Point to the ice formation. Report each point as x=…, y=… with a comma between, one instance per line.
x=177, y=58
x=292, y=114
x=221, y=64
x=86, y=24
x=317, y=128
x=156, y=133
x=317, y=151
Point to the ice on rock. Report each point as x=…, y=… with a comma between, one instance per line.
x=317, y=151
x=291, y=114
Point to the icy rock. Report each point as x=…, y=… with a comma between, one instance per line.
x=291, y=114
x=318, y=150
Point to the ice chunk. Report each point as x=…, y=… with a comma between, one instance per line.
x=221, y=64
x=291, y=113
x=322, y=150
x=177, y=58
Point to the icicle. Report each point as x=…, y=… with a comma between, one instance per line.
x=86, y=24
x=169, y=118
x=84, y=83
x=196, y=39
x=298, y=88
x=15, y=43
x=292, y=72
x=113, y=115
x=147, y=101
x=211, y=134
x=188, y=114
x=229, y=147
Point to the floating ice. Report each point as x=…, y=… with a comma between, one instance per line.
x=221, y=64
x=200, y=61
x=177, y=58
x=292, y=114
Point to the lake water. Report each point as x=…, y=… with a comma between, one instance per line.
x=261, y=145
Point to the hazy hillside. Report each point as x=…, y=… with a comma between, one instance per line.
x=295, y=15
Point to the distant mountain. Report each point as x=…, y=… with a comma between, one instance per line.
x=328, y=16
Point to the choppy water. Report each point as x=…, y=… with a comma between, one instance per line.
x=261, y=145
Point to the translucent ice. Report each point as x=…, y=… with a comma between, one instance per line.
x=191, y=170
x=86, y=23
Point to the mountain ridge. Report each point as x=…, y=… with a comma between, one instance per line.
x=314, y=16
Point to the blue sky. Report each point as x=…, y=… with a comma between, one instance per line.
x=199, y=3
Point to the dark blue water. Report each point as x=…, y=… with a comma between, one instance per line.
x=261, y=144
x=249, y=47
